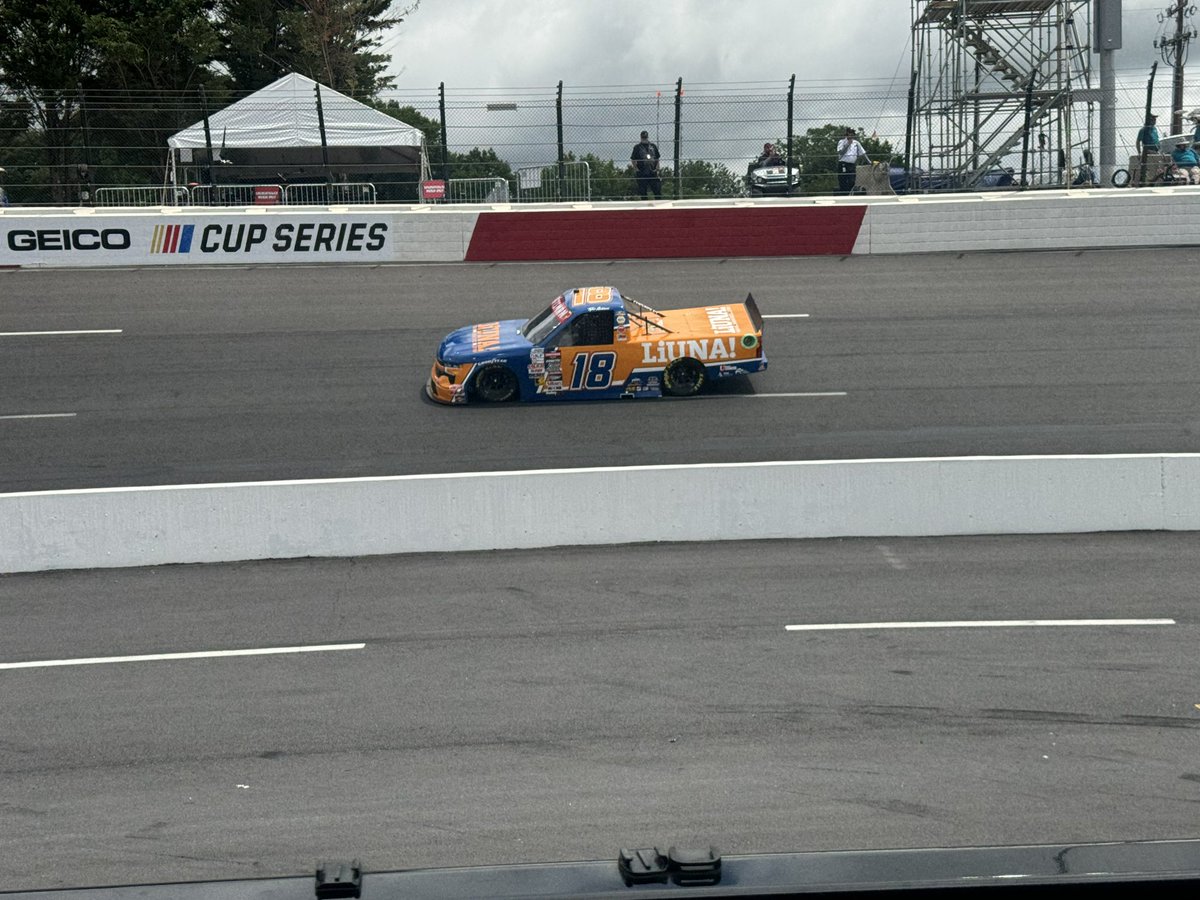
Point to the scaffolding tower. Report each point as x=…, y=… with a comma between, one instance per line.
x=999, y=84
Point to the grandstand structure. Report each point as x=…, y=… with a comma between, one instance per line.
x=1000, y=84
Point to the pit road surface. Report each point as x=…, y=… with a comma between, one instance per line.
x=561, y=704
x=273, y=373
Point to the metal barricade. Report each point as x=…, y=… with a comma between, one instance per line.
x=141, y=195
x=223, y=195
x=477, y=190
x=326, y=194
x=542, y=184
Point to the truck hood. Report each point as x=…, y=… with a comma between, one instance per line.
x=489, y=340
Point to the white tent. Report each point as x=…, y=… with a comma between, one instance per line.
x=277, y=127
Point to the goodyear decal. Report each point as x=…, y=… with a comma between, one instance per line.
x=172, y=238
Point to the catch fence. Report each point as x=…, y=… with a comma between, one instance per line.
x=559, y=143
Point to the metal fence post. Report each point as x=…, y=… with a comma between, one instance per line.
x=1025, y=133
x=212, y=165
x=562, y=168
x=324, y=143
x=909, y=179
x=85, y=170
x=790, y=121
x=442, y=115
x=678, y=136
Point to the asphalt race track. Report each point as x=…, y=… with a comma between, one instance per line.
x=270, y=373
x=563, y=703
x=559, y=704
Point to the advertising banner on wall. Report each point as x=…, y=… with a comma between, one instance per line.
x=128, y=239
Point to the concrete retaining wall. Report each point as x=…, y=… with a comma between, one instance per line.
x=1001, y=220
x=351, y=517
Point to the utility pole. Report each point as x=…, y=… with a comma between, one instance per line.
x=1174, y=54
x=1107, y=42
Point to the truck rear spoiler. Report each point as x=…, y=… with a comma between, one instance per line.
x=755, y=315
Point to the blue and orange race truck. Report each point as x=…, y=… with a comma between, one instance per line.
x=595, y=343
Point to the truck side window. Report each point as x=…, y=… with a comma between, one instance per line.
x=593, y=329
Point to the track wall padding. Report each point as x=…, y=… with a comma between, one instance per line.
x=491, y=511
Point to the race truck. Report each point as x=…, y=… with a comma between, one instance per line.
x=595, y=343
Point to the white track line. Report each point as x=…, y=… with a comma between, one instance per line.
x=199, y=654
x=812, y=394
x=41, y=416
x=998, y=623
x=40, y=333
x=787, y=316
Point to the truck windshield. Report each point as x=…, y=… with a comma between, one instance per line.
x=539, y=327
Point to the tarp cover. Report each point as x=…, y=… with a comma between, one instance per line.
x=284, y=114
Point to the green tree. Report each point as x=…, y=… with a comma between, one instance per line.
x=335, y=42
x=700, y=178
x=44, y=53
x=816, y=153
x=153, y=56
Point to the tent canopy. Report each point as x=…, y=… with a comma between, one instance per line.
x=284, y=114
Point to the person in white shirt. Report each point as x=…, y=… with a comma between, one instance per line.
x=850, y=152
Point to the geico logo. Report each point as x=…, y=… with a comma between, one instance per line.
x=307, y=237
x=69, y=239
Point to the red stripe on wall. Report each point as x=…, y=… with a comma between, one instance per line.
x=666, y=233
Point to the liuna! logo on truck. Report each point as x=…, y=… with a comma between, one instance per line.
x=286, y=237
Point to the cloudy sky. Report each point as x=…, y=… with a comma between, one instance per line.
x=518, y=43
x=852, y=62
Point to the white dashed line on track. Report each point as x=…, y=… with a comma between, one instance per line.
x=996, y=623
x=41, y=416
x=787, y=316
x=43, y=333
x=199, y=654
x=772, y=396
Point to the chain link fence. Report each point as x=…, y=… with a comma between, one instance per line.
x=557, y=143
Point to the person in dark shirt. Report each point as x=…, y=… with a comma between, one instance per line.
x=770, y=156
x=644, y=159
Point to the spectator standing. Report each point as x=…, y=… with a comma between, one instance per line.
x=645, y=167
x=3, y=195
x=1185, y=157
x=1148, y=138
x=849, y=151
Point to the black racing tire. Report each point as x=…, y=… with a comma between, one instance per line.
x=494, y=384
x=683, y=378
x=1120, y=178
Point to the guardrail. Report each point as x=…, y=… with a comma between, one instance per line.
x=329, y=193
x=142, y=195
x=109, y=527
x=546, y=183
x=315, y=194
x=477, y=190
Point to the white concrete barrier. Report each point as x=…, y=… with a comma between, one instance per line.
x=108, y=527
x=1034, y=220
x=999, y=220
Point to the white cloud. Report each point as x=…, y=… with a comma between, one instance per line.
x=519, y=43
